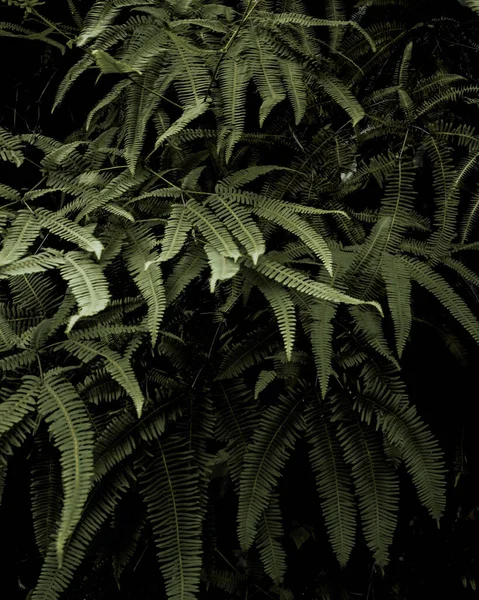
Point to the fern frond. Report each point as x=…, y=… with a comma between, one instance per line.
x=264, y=379
x=376, y=485
x=46, y=495
x=222, y=268
x=342, y=96
x=11, y=148
x=333, y=481
x=406, y=430
x=186, y=270
x=320, y=331
x=170, y=488
x=19, y=405
x=274, y=438
x=239, y=222
x=20, y=236
x=87, y=283
x=143, y=264
x=117, y=366
x=284, y=309
x=270, y=532
x=298, y=281
x=212, y=228
x=70, y=427
x=176, y=232
x=398, y=287
x=427, y=278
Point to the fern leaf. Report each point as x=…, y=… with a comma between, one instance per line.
x=144, y=267
x=405, y=429
x=117, y=366
x=214, y=231
x=270, y=532
x=20, y=236
x=298, y=281
x=46, y=495
x=176, y=232
x=398, y=287
x=222, y=268
x=438, y=286
x=109, y=64
x=299, y=227
x=87, y=283
x=283, y=307
x=293, y=77
x=376, y=486
x=321, y=335
x=69, y=231
x=19, y=405
x=239, y=222
x=275, y=436
x=170, y=487
x=188, y=268
x=190, y=113
x=69, y=424
x=341, y=94
x=234, y=77
x=333, y=482
x=264, y=379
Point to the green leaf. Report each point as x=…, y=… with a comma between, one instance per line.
x=108, y=64
x=222, y=268
x=87, y=283
x=20, y=236
x=70, y=426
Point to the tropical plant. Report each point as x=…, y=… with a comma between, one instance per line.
x=225, y=262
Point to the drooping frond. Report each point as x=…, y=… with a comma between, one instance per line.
x=19, y=405
x=119, y=367
x=284, y=309
x=170, y=487
x=376, y=485
x=320, y=330
x=406, y=430
x=46, y=495
x=273, y=439
x=176, y=232
x=398, y=286
x=270, y=532
x=20, y=236
x=87, y=283
x=333, y=480
x=70, y=427
x=143, y=264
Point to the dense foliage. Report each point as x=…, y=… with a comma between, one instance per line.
x=210, y=286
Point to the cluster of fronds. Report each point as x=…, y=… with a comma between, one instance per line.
x=184, y=295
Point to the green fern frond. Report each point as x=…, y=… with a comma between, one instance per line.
x=143, y=265
x=427, y=278
x=470, y=216
x=87, y=283
x=20, y=236
x=54, y=578
x=284, y=309
x=264, y=379
x=222, y=268
x=239, y=222
x=235, y=75
x=340, y=93
x=10, y=148
x=70, y=427
x=320, y=331
x=376, y=485
x=270, y=532
x=186, y=270
x=170, y=488
x=46, y=495
x=212, y=228
x=298, y=281
x=333, y=481
x=19, y=405
x=69, y=231
x=398, y=287
x=406, y=430
x=117, y=366
x=176, y=232
x=274, y=438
